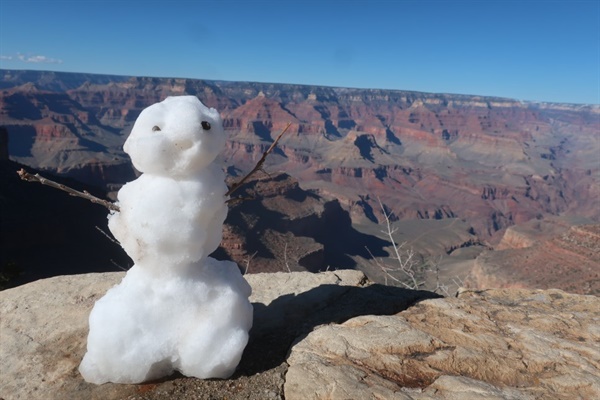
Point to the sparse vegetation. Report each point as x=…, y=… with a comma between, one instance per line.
x=407, y=268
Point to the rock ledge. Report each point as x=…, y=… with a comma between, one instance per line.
x=349, y=339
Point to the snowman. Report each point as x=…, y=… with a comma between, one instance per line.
x=176, y=309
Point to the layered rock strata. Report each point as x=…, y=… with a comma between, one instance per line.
x=349, y=339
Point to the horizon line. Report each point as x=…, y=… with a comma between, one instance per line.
x=592, y=105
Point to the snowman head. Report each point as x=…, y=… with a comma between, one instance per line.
x=176, y=137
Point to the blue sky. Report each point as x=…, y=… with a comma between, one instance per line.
x=526, y=49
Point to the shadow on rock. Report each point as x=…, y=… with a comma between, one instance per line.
x=290, y=317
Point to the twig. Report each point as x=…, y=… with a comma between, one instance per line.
x=236, y=200
x=248, y=259
x=26, y=176
x=405, y=258
x=258, y=165
x=117, y=265
x=439, y=287
x=406, y=263
x=285, y=258
x=115, y=241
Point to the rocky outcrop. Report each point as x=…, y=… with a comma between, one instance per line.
x=514, y=238
x=492, y=344
x=535, y=231
x=44, y=328
x=281, y=227
x=568, y=261
x=349, y=339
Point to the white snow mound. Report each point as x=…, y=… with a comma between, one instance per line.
x=176, y=309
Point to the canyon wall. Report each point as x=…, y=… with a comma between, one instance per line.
x=490, y=162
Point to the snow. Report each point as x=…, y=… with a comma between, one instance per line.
x=176, y=308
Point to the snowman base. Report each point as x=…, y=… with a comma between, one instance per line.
x=149, y=326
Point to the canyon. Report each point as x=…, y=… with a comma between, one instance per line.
x=456, y=174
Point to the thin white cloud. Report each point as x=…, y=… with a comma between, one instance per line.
x=37, y=59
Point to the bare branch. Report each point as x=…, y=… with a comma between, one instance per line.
x=258, y=165
x=404, y=258
x=248, y=259
x=26, y=176
x=237, y=200
x=285, y=258
x=439, y=287
x=115, y=241
x=117, y=265
x=407, y=263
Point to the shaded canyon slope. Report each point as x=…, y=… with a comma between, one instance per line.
x=44, y=232
x=489, y=162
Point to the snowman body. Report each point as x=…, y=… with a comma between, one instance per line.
x=176, y=308
x=159, y=226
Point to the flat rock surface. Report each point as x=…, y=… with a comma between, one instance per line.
x=349, y=339
x=489, y=344
x=43, y=331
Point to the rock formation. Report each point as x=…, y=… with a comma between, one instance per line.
x=494, y=162
x=569, y=261
x=330, y=335
x=487, y=162
x=282, y=227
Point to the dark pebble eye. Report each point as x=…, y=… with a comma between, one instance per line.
x=155, y=128
x=206, y=125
